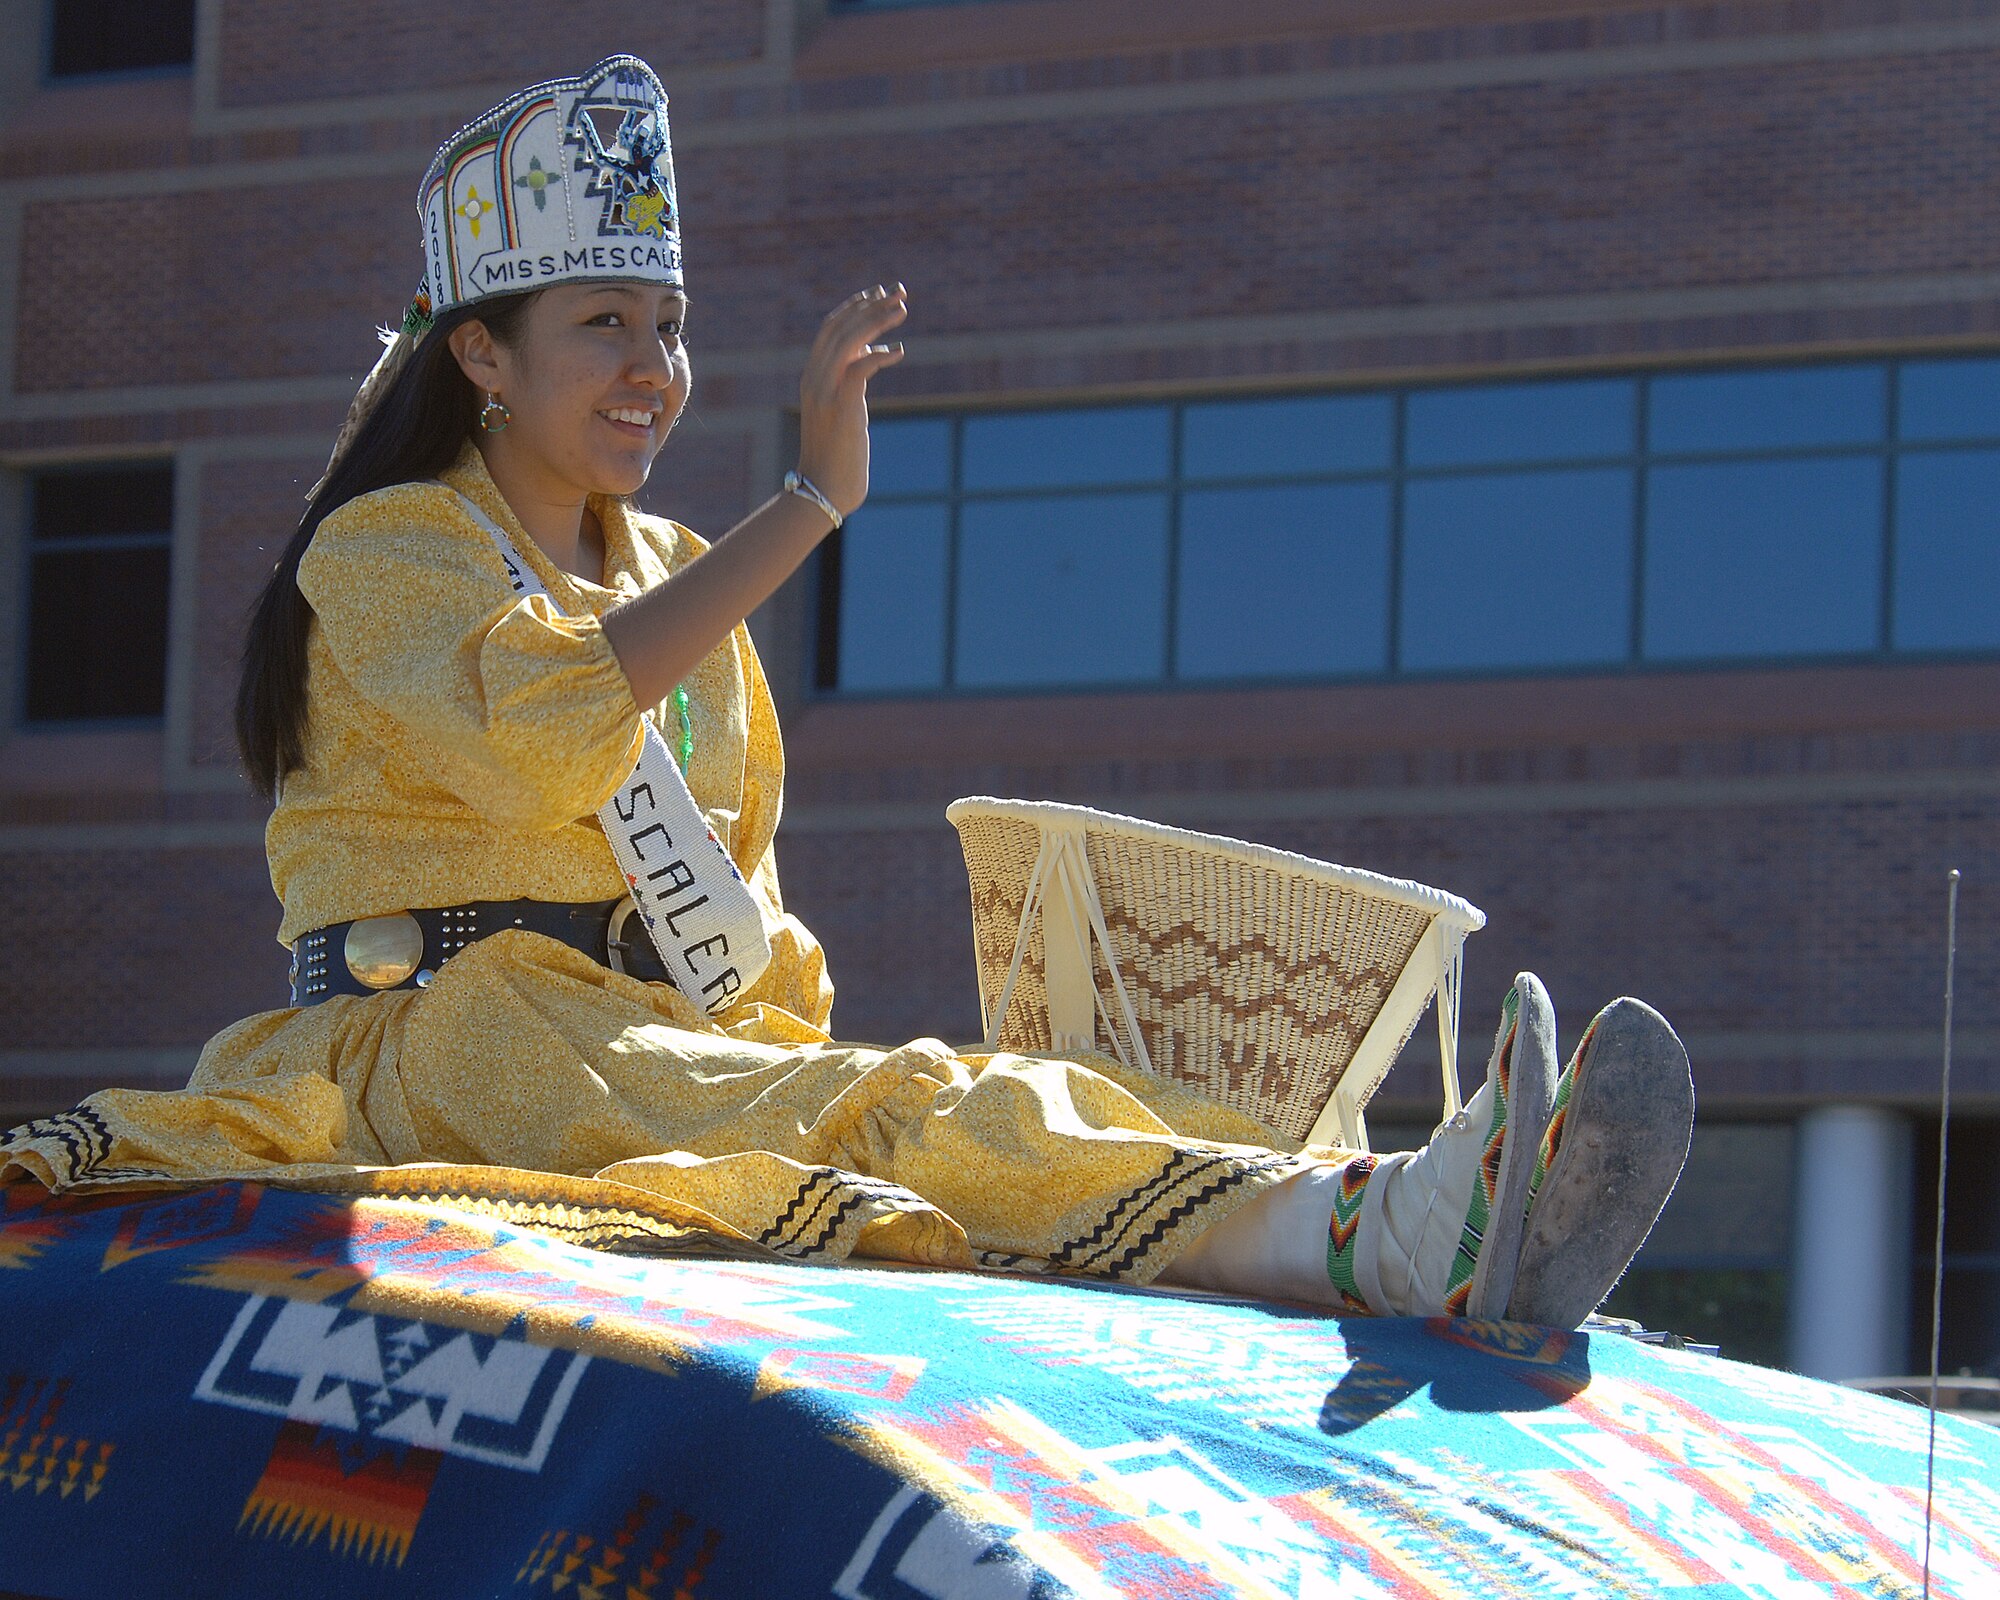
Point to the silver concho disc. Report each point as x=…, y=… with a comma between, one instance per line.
x=382, y=951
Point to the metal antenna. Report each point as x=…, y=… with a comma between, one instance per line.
x=1937, y=1255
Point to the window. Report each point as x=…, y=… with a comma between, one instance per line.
x=1947, y=515
x=1778, y=556
x=1523, y=569
x=1947, y=574
x=1279, y=577
x=99, y=545
x=1056, y=589
x=1491, y=424
x=1301, y=592
x=91, y=37
x=1763, y=558
x=1836, y=510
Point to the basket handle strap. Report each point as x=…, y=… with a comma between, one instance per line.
x=1074, y=863
x=1451, y=973
x=1030, y=903
x=1061, y=859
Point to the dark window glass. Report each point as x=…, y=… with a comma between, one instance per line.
x=1948, y=551
x=1763, y=558
x=97, y=634
x=98, y=563
x=92, y=36
x=103, y=502
x=912, y=457
x=1292, y=438
x=1949, y=400
x=1519, y=422
x=1066, y=449
x=1062, y=589
x=1522, y=569
x=1774, y=409
x=893, y=581
x=1284, y=581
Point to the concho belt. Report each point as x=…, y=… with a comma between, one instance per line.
x=404, y=949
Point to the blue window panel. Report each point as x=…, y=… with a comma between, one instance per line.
x=1763, y=558
x=1520, y=569
x=1066, y=449
x=1062, y=589
x=1288, y=438
x=911, y=457
x=1778, y=408
x=1949, y=400
x=1497, y=423
x=1947, y=594
x=1287, y=582
x=893, y=562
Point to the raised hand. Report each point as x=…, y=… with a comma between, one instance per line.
x=661, y=635
x=833, y=392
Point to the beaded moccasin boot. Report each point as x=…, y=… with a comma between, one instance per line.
x=1438, y=1231
x=1616, y=1141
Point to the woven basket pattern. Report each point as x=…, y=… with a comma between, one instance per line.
x=1253, y=983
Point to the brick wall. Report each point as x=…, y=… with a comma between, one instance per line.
x=1130, y=197
x=285, y=54
x=195, y=950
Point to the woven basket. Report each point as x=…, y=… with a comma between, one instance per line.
x=1280, y=985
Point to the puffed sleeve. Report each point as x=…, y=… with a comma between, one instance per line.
x=521, y=711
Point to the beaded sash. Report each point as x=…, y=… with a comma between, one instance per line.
x=700, y=914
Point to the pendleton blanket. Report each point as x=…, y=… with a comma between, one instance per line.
x=238, y=1390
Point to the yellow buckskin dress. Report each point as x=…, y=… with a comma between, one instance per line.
x=461, y=742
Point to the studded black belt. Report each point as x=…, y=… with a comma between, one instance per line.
x=404, y=949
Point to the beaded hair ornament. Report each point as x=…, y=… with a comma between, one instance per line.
x=566, y=181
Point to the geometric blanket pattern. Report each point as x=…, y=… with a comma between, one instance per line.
x=242, y=1391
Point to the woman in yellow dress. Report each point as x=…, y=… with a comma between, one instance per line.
x=446, y=737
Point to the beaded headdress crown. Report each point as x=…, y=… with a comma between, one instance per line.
x=567, y=181
x=570, y=179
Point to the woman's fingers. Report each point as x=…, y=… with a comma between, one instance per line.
x=852, y=331
x=864, y=331
x=851, y=385
x=846, y=307
x=873, y=360
x=867, y=342
x=875, y=308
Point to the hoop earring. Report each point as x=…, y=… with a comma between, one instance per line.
x=494, y=415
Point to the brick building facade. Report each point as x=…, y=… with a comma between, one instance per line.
x=1133, y=202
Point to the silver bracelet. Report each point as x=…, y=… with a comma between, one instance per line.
x=799, y=484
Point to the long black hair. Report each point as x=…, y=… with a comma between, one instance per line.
x=413, y=430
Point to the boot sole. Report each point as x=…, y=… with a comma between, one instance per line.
x=1531, y=1092
x=1629, y=1123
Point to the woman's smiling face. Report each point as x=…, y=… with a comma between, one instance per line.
x=594, y=382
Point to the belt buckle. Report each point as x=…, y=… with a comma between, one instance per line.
x=382, y=952
x=614, y=946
